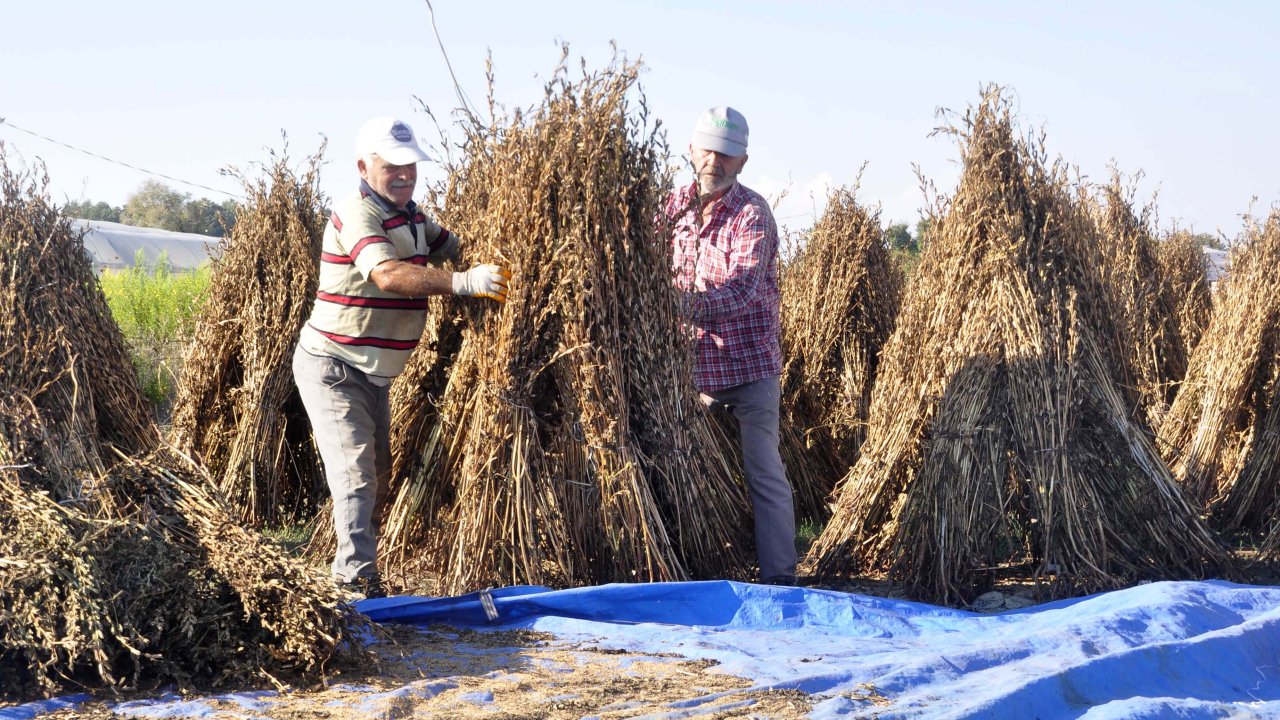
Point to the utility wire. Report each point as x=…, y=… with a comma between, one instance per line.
x=457, y=87
x=4, y=121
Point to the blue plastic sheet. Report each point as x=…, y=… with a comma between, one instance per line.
x=1162, y=650
x=41, y=707
x=1188, y=650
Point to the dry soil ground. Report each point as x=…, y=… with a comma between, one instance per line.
x=503, y=675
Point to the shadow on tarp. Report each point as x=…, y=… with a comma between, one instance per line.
x=1192, y=650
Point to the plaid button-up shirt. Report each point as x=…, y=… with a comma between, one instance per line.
x=729, y=270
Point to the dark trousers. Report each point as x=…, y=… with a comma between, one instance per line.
x=755, y=405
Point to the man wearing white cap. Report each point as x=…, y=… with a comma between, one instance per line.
x=377, y=268
x=726, y=262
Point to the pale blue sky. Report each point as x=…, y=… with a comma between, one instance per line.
x=1182, y=91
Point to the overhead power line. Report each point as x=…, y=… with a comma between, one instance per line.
x=113, y=161
x=467, y=107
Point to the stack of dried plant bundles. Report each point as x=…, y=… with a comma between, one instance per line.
x=1146, y=307
x=52, y=300
x=840, y=297
x=118, y=571
x=1183, y=266
x=571, y=447
x=1220, y=437
x=146, y=579
x=237, y=409
x=999, y=432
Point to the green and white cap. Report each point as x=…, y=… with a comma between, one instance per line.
x=723, y=130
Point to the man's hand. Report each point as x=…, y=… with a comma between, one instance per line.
x=486, y=281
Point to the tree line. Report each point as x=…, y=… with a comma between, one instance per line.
x=157, y=205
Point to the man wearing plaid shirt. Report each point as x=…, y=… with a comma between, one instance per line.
x=726, y=262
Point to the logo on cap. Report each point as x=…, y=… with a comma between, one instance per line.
x=401, y=132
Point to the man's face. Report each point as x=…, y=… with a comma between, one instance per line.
x=716, y=171
x=393, y=182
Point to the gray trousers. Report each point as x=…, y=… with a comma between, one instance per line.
x=351, y=422
x=755, y=405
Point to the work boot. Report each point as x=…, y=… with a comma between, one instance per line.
x=781, y=580
x=364, y=587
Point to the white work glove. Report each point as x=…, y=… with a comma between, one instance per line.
x=486, y=281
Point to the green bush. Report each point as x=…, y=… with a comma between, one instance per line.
x=807, y=531
x=155, y=307
x=907, y=259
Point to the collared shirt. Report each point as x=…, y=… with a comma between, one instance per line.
x=353, y=320
x=728, y=268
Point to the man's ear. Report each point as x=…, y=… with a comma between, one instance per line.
x=744, y=162
x=364, y=169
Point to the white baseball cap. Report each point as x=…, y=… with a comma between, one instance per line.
x=391, y=139
x=723, y=130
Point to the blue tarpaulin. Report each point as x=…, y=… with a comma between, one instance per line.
x=1162, y=650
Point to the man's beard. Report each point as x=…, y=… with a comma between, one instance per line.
x=709, y=185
